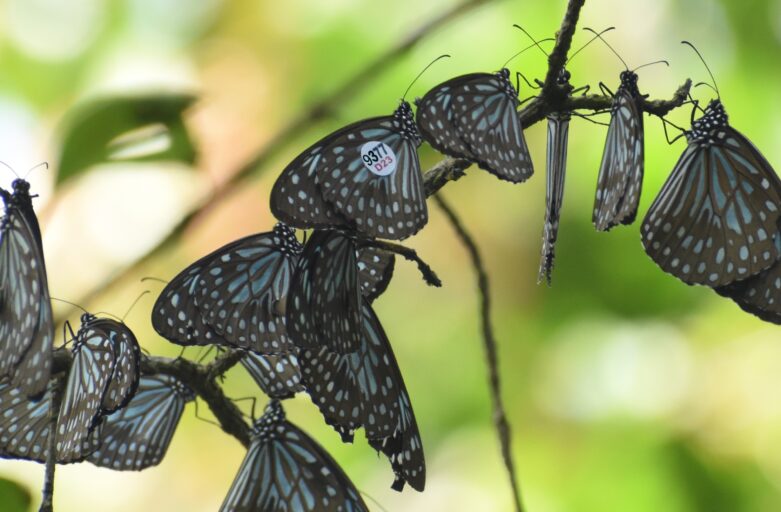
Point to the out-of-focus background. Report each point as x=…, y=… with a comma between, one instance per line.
x=626, y=389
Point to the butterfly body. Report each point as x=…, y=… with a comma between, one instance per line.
x=26, y=325
x=621, y=172
x=365, y=176
x=714, y=220
x=475, y=117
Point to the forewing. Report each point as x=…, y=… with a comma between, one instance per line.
x=714, y=219
x=278, y=375
x=90, y=373
x=621, y=173
x=137, y=436
x=375, y=270
x=127, y=358
x=24, y=425
x=325, y=297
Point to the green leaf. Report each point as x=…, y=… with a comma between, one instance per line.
x=13, y=497
x=143, y=128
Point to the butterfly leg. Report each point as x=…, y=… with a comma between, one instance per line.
x=587, y=117
x=605, y=90
x=198, y=415
x=254, y=403
x=581, y=90
x=518, y=75
x=67, y=327
x=526, y=100
x=665, y=122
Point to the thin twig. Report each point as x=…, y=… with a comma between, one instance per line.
x=47, y=493
x=489, y=343
x=409, y=254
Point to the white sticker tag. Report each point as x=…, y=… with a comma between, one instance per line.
x=379, y=158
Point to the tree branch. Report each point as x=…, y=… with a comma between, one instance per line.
x=47, y=493
x=489, y=343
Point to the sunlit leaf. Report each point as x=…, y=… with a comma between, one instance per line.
x=126, y=129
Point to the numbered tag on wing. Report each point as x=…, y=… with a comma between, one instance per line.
x=379, y=158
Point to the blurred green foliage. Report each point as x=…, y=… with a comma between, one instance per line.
x=13, y=497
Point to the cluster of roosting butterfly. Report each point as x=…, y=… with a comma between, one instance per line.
x=301, y=315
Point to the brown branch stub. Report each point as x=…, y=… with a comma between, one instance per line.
x=490, y=346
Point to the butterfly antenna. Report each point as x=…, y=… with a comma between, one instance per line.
x=421, y=73
x=373, y=500
x=109, y=314
x=608, y=45
x=536, y=43
x=134, y=304
x=34, y=167
x=9, y=168
x=597, y=36
x=706, y=84
x=651, y=64
x=715, y=86
x=149, y=278
x=70, y=303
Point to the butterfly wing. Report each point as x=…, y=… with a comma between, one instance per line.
x=375, y=270
x=475, y=117
x=236, y=295
x=714, y=219
x=285, y=470
x=127, y=357
x=325, y=297
x=621, y=171
x=26, y=326
x=278, y=375
x=89, y=377
x=558, y=134
x=24, y=425
x=137, y=436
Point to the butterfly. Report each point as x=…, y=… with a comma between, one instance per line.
x=324, y=307
x=103, y=378
x=24, y=427
x=621, y=172
x=286, y=470
x=556, y=168
x=26, y=325
x=375, y=270
x=234, y=296
x=365, y=388
x=278, y=375
x=475, y=117
x=714, y=220
x=365, y=176
x=137, y=436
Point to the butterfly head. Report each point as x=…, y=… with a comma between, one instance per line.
x=288, y=243
x=714, y=118
x=405, y=122
x=86, y=318
x=504, y=78
x=629, y=80
x=564, y=76
x=21, y=186
x=187, y=394
x=266, y=426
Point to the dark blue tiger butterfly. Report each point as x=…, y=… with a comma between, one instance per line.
x=103, y=378
x=234, y=296
x=475, y=117
x=137, y=436
x=26, y=326
x=556, y=168
x=715, y=219
x=24, y=426
x=620, y=179
x=365, y=177
x=365, y=388
x=285, y=470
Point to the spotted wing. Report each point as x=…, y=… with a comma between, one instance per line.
x=127, y=360
x=558, y=134
x=88, y=380
x=278, y=375
x=285, y=470
x=137, y=436
x=714, y=219
x=24, y=425
x=235, y=295
x=621, y=172
x=375, y=270
x=475, y=117
x=26, y=326
x=325, y=297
